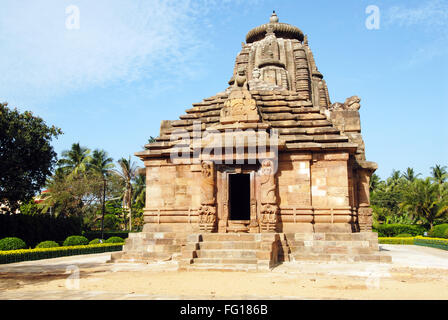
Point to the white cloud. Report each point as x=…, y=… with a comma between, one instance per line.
x=431, y=14
x=117, y=40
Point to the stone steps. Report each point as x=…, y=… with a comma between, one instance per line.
x=228, y=245
x=221, y=267
x=227, y=253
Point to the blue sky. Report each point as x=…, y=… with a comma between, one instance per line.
x=132, y=64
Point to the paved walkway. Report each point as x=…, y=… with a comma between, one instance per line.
x=423, y=258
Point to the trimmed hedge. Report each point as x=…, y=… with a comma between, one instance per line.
x=439, y=231
x=37, y=228
x=47, y=244
x=95, y=241
x=391, y=230
x=396, y=240
x=75, y=241
x=48, y=253
x=114, y=240
x=12, y=243
x=107, y=234
x=432, y=242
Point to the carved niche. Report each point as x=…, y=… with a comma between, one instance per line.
x=239, y=107
x=268, y=198
x=207, y=211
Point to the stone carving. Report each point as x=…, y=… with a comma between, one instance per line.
x=351, y=103
x=239, y=107
x=207, y=211
x=269, y=208
x=365, y=219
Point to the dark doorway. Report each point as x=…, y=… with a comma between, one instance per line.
x=239, y=196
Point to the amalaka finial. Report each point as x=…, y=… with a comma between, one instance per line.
x=273, y=18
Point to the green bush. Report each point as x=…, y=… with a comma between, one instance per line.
x=12, y=243
x=76, y=241
x=439, y=231
x=446, y=234
x=96, y=241
x=404, y=235
x=396, y=240
x=48, y=253
x=115, y=240
x=392, y=230
x=47, y=244
x=106, y=234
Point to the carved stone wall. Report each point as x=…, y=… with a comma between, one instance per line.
x=268, y=198
x=207, y=211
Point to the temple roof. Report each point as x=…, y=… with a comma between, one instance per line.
x=276, y=69
x=281, y=30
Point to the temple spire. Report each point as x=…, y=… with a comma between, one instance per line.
x=273, y=18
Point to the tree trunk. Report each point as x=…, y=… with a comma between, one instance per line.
x=103, y=209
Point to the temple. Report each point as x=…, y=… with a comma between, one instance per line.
x=268, y=170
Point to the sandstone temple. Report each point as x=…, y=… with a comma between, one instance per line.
x=268, y=170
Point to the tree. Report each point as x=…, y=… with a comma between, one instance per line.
x=427, y=200
x=102, y=164
x=127, y=172
x=26, y=156
x=410, y=175
x=74, y=161
x=439, y=174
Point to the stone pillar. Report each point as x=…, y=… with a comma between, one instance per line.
x=365, y=220
x=269, y=207
x=207, y=211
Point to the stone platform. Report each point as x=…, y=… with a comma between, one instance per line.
x=248, y=251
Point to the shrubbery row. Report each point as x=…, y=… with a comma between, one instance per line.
x=47, y=253
x=14, y=243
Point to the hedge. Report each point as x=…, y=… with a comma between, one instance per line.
x=439, y=231
x=48, y=253
x=396, y=240
x=47, y=244
x=75, y=241
x=391, y=230
x=107, y=234
x=12, y=243
x=38, y=228
x=432, y=242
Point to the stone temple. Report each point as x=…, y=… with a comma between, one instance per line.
x=268, y=170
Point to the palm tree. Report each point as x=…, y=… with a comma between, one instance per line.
x=439, y=174
x=426, y=200
x=74, y=161
x=102, y=164
x=410, y=175
x=128, y=171
x=375, y=181
x=140, y=189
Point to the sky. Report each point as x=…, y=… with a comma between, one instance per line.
x=108, y=71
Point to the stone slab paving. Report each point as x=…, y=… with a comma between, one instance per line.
x=403, y=256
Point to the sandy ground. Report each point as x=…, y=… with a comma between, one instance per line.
x=416, y=273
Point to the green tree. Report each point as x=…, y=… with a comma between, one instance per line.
x=439, y=174
x=26, y=156
x=74, y=161
x=102, y=164
x=127, y=172
x=426, y=200
x=409, y=175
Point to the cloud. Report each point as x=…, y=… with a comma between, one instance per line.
x=430, y=14
x=117, y=40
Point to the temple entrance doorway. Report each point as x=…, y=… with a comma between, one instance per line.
x=239, y=197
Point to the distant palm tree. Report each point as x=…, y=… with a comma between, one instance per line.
x=127, y=172
x=439, y=174
x=140, y=189
x=410, y=175
x=102, y=164
x=426, y=200
x=375, y=181
x=74, y=161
